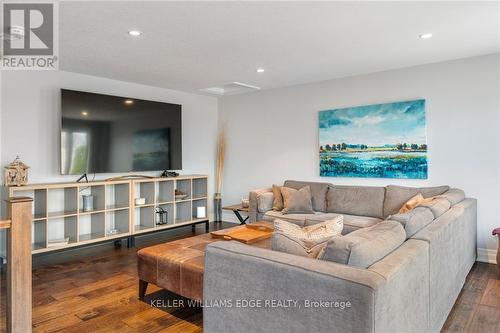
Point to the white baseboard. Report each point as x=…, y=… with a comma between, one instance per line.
x=487, y=255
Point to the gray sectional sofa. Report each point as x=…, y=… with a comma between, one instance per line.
x=412, y=288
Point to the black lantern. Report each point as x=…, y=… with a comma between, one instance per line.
x=161, y=216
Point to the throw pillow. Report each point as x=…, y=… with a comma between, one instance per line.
x=265, y=201
x=309, y=241
x=277, y=198
x=297, y=201
x=412, y=203
x=396, y=196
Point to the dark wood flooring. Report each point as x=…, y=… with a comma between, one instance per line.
x=94, y=289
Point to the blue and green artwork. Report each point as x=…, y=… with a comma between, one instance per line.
x=377, y=141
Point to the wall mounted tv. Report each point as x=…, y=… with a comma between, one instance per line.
x=102, y=133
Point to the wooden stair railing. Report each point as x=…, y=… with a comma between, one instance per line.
x=18, y=226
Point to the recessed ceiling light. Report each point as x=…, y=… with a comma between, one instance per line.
x=425, y=36
x=84, y=113
x=134, y=33
x=260, y=70
x=129, y=101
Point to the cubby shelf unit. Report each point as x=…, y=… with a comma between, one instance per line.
x=58, y=209
x=160, y=192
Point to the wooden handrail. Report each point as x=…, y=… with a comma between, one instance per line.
x=5, y=224
x=19, y=285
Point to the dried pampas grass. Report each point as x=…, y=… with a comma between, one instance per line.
x=221, y=147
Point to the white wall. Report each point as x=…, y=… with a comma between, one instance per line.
x=3, y=235
x=273, y=135
x=30, y=120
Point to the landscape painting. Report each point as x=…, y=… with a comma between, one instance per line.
x=377, y=141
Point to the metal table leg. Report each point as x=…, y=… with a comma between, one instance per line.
x=238, y=215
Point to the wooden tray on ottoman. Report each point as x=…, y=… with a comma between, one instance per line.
x=248, y=233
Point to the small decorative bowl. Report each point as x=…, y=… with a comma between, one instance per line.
x=180, y=196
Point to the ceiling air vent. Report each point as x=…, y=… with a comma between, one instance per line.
x=230, y=89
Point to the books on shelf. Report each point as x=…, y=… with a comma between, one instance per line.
x=58, y=242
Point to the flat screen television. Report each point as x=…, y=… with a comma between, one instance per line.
x=104, y=134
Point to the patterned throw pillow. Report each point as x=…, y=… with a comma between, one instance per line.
x=308, y=241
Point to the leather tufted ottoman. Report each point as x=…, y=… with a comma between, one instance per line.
x=178, y=266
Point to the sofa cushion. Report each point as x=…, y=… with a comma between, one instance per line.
x=453, y=195
x=318, y=192
x=414, y=220
x=297, y=201
x=356, y=200
x=298, y=219
x=438, y=206
x=264, y=201
x=364, y=247
x=304, y=241
x=319, y=217
x=396, y=196
x=355, y=222
x=351, y=222
x=277, y=198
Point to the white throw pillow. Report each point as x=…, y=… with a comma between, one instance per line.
x=307, y=241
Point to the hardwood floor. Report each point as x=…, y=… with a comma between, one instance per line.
x=95, y=290
x=477, y=308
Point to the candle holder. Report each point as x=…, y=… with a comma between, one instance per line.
x=161, y=216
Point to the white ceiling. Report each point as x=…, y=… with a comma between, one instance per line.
x=193, y=45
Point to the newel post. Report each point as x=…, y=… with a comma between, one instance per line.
x=19, y=302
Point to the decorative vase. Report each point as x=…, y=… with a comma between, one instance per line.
x=498, y=252
x=245, y=203
x=88, y=203
x=496, y=232
x=217, y=207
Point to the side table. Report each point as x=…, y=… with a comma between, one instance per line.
x=236, y=209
